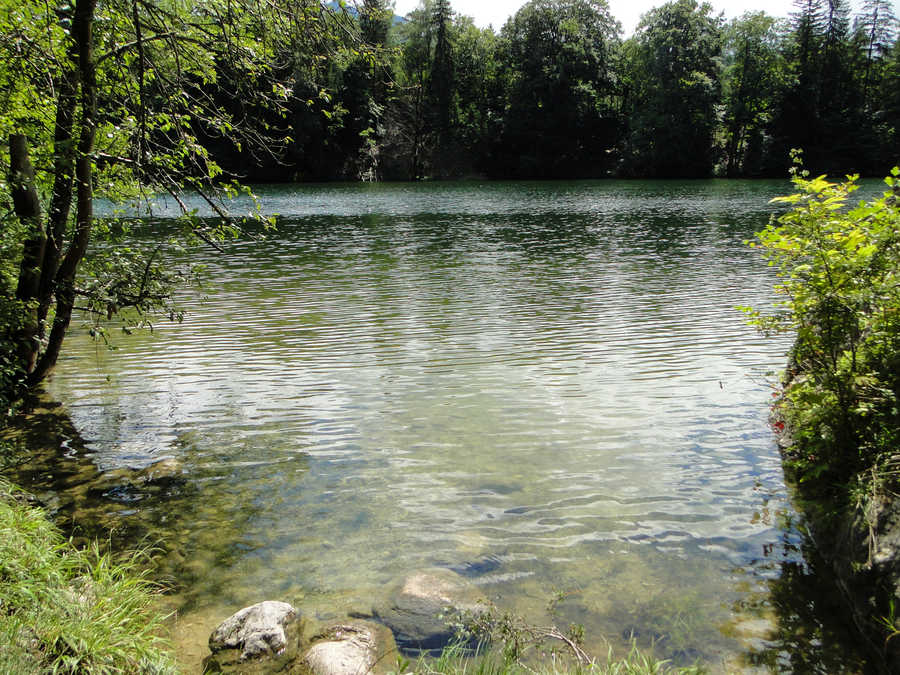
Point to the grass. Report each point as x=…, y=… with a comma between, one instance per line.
x=456, y=660
x=64, y=610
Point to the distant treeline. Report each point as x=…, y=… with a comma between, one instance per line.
x=558, y=93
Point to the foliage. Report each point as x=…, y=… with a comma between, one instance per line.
x=558, y=60
x=122, y=100
x=673, y=91
x=838, y=271
x=456, y=660
x=507, y=643
x=557, y=94
x=68, y=611
x=11, y=313
x=753, y=69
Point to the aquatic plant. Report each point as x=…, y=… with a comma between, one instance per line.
x=508, y=644
x=457, y=660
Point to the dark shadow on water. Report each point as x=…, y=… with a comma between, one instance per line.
x=813, y=633
x=153, y=506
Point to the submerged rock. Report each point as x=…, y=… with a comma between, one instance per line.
x=261, y=638
x=352, y=647
x=421, y=609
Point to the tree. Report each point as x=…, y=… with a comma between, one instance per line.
x=441, y=79
x=821, y=106
x=751, y=78
x=408, y=134
x=479, y=93
x=674, y=90
x=877, y=26
x=423, y=115
x=113, y=99
x=362, y=94
x=558, y=62
x=890, y=98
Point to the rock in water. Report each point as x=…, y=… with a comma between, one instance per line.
x=420, y=610
x=352, y=648
x=257, y=639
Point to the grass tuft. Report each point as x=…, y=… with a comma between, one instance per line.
x=459, y=660
x=64, y=610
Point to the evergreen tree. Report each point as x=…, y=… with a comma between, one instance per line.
x=796, y=123
x=440, y=82
x=877, y=27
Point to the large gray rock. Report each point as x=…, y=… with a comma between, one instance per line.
x=352, y=647
x=262, y=638
x=421, y=609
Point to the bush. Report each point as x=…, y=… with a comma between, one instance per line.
x=838, y=276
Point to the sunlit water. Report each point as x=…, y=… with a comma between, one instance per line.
x=543, y=386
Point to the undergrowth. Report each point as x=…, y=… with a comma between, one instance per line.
x=64, y=610
x=838, y=267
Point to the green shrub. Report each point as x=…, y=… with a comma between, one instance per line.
x=838, y=276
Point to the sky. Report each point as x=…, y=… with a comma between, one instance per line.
x=628, y=12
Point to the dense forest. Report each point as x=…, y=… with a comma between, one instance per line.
x=559, y=93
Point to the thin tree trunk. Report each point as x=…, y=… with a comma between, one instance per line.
x=27, y=206
x=64, y=176
x=82, y=33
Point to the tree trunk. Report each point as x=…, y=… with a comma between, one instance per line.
x=27, y=206
x=63, y=183
x=82, y=34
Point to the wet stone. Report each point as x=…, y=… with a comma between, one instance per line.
x=262, y=638
x=421, y=610
x=352, y=647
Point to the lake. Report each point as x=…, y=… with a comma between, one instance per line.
x=545, y=387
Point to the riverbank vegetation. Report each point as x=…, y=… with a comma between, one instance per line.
x=838, y=270
x=64, y=610
x=560, y=92
x=839, y=410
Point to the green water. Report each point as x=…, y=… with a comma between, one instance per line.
x=543, y=386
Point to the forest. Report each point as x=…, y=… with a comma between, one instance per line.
x=559, y=93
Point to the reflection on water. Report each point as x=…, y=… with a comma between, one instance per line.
x=545, y=387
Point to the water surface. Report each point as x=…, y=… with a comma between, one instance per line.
x=543, y=386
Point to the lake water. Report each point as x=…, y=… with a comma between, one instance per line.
x=543, y=386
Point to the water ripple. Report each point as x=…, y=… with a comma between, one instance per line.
x=422, y=377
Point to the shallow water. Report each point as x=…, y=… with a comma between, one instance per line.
x=543, y=386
